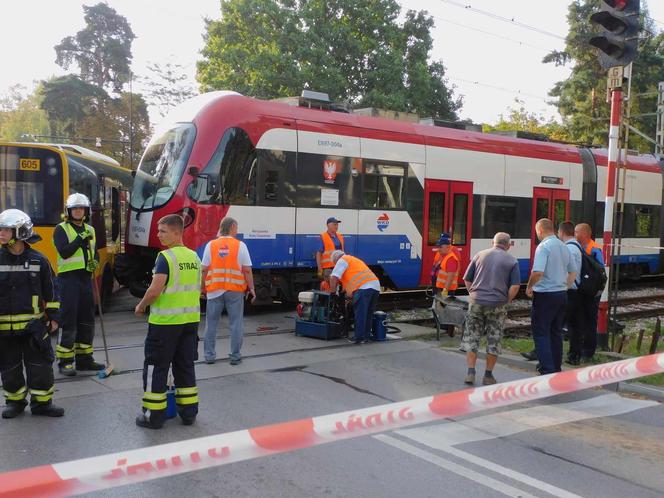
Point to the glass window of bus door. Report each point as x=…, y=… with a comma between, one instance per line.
x=460, y=219
x=162, y=166
x=31, y=180
x=436, y=217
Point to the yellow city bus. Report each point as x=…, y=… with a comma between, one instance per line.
x=37, y=178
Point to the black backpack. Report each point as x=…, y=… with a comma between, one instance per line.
x=593, y=276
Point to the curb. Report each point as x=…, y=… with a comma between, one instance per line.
x=651, y=392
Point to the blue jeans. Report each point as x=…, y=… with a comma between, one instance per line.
x=364, y=305
x=547, y=317
x=233, y=302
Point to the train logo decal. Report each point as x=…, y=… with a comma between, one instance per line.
x=330, y=170
x=383, y=222
x=224, y=251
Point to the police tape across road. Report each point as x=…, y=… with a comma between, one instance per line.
x=144, y=464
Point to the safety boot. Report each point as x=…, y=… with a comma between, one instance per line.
x=143, y=421
x=470, y=379
x=89, y=365
x=47, y=410
x=14, y=409
x=67, y=369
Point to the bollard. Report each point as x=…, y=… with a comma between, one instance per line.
x=655, y=337
x=379, y=329
x=639, y=341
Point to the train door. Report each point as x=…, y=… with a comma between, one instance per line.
x=548, y=203
x=448, y=207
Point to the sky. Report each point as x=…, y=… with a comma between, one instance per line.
x=490, y=62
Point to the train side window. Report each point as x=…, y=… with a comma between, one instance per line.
x=276, y=177
x=643, y=221
x=460, y=220
x=317, y=172
x=436, y=218
x=384, y=185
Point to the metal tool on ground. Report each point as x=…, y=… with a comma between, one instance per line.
x=449, y=313
x=109, y=366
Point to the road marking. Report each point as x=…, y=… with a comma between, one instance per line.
x=477, y=477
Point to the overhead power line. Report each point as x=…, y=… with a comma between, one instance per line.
x=512, y=21
x=512, y=91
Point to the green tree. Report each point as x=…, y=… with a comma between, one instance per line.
x=166, y=86
x=520, y=119
x=354, y=50
x=21, y=116
x=101, y=50
x=581, y=98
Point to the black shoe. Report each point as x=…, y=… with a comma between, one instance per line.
x=352, y=340
x=236, y=361
x=143, y=421
x=188, y=420
x=67, y=369
x=530, y=355
x=47, y=410
x=89, y=366
x=538, y=369
x=13, y=410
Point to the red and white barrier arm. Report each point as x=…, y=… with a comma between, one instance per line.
x=144, y=464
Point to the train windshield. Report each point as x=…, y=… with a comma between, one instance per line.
x=162, y=166
x=31, y=180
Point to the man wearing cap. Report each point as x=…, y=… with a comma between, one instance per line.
x=330, y=240
x=446, y=266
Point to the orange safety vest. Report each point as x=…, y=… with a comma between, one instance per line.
x=591, y=245
x=225, y=273
x=328, y=244
x=443, y=275
x=356, y=275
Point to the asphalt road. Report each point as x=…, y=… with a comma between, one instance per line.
x=592, y=443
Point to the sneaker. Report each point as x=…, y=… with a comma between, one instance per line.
x=488, y=380
x=67, y=369
x=13, y=410
x=352, y=340
x=470, y=379
x=236, y=361
x=210, y=361
x=89, y=366
x=47, y=410
x=530, y=355
x=143, y=421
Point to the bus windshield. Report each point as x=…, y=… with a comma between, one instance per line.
x=162, y=166
x=31, y=180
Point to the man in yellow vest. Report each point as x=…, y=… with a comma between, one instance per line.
x=227, y=278
x=446, y=267
x=362, y=286
x=75, y=242
x=331, y=240
x=172, y=340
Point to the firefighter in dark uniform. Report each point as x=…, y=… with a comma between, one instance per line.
x=28, y=314
x=172, y=340
x=75, y=242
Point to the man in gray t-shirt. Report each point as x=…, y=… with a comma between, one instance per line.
x=492, y=280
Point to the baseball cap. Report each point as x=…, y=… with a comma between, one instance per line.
x=444, y=240
x=332, y=219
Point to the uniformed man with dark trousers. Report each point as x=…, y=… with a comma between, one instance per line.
x=75, y=243
x=172, y=340
x=28, y=315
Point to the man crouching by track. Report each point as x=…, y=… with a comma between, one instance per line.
x=173, y=297
x=492, y=280
x=28, y=313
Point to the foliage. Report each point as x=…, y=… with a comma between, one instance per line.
x=581, y=99
x=101, y=50
x=522, y=120
x=21, y=116
x=354, y=50
x=166, y=86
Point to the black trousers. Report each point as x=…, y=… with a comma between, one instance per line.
x=169, y=346
x=17, y=353
x=576, y=323
x=77, y=317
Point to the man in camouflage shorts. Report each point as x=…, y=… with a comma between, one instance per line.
x=493, y=280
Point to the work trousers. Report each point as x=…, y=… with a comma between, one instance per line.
x=169, y=346
x=576, y=323
x=364, y=305
x=590, y=307
x=547, y=317
x=77, y=318
x=233, y=303
x=17, y=353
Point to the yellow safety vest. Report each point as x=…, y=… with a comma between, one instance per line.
x=77, y=260
x=179, y=303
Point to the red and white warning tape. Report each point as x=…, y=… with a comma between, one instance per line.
x=130, y=467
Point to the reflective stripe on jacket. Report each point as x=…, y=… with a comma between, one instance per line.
x=356, y=275
x=179, y=303
x=328, y=245
x=224, y=272
x=441, y=279
x=77, y=260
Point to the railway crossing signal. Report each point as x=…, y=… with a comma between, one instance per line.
x=618, y=42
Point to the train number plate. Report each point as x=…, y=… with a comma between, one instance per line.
x=29, y=164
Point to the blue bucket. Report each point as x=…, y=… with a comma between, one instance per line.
x=171, y=407
x=379, y=326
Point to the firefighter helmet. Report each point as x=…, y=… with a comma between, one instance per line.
x=19, y=222
x=77, y=201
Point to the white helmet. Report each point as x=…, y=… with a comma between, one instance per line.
x=77, y=201
x=19, y=222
